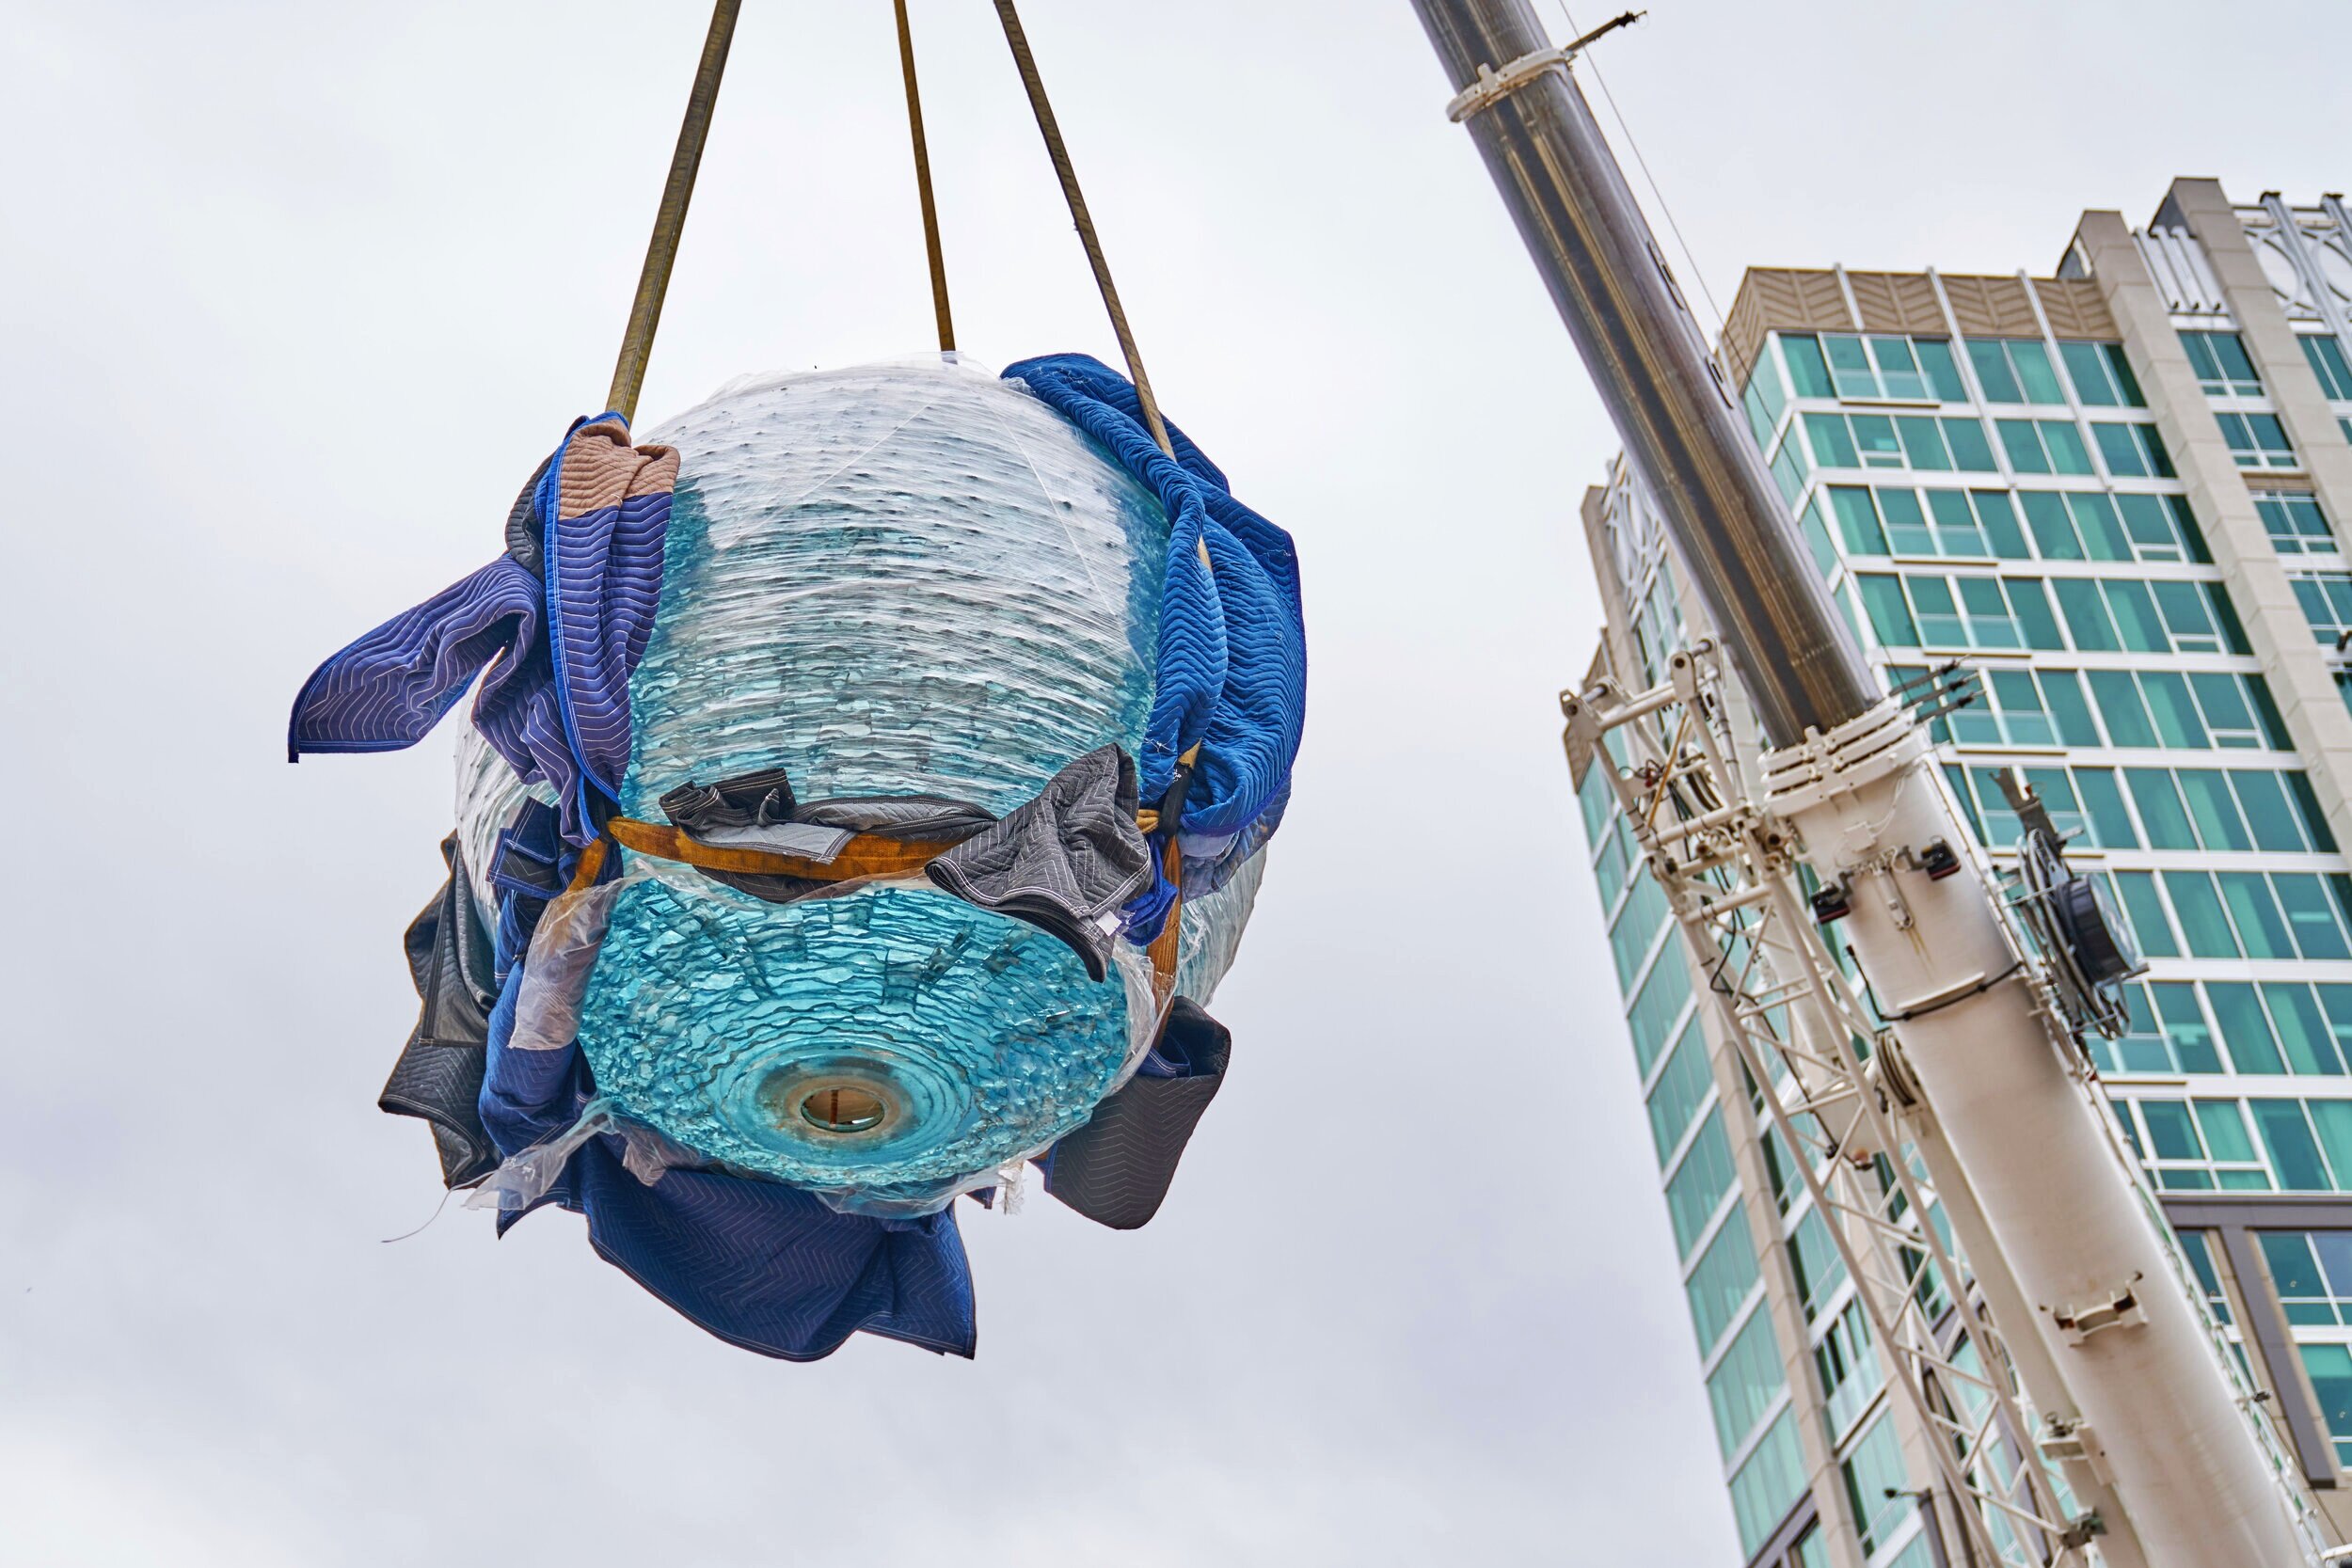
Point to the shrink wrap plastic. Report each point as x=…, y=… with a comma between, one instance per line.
x=903, y=579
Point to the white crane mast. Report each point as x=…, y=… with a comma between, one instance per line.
x=1975, y=1073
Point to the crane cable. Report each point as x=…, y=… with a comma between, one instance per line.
x=653, y=282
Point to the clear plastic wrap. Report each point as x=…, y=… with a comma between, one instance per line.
x=903, y=578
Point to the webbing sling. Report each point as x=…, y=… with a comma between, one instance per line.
x=862, y=857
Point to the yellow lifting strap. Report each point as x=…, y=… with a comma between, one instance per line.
x=864, y=856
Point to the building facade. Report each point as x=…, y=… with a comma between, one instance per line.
x=2120, y=493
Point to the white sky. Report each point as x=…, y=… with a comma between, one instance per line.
x=293, y=296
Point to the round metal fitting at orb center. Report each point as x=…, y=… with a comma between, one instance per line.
x=843, y=1109
x=834, y=1107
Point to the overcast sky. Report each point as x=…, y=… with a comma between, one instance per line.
x=293, y=296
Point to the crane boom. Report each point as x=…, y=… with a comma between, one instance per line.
x=2120, y=1364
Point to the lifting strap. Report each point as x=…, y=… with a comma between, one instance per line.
x=862, y=857
x=923, y=184
x=653, y=281
x=669, y=222
x=1051, y=130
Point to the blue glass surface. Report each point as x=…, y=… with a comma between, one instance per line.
x=903, y=578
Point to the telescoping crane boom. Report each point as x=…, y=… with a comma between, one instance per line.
x=1964, y=1087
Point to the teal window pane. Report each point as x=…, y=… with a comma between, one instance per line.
x=1658, y=1008
x=2307, y=807
x=2053, y=527
x=1819, y=1268
x=2294, y=1154
x=2087, y=368
x=2000, y=823
x=2261, y=928
x=2118, y=698
x=2102, y=535
x=1788, y=469
x=2120, y=365
x=1985, y=609
x=2064, y=443
x=1931, y=602
x=2221, y=699
x=1681, y=1087
x=2035, y=374
x=2203, y=925
x=2178, y=723
x=2224, y=1127
x=2136, y=890
x=2062, y=692
x=2023, y=446
x=1997, y=517
x=2035, y=618
x=2149, y=524
x=1599, y=800
x=1850, y=366
x=1745, y=1381
x=1907, y=530
x=1923, y=443
x=1899, y=373
x=2019, y=701
x=2225, y=616
x=2333, y=1119
x=2271, y=819
x=2086, y=614
x=2303, y=1034
x=2336, y=1002
x=2213, y=808
x=2103, y=803
x=1877, y=1486
x=1832, y=446
x=2244, y=1030
x=1817, y=538
x=1890, y=617
x=2329, y=1367
x=2334, y=1248
x=2185, y=1031
x=2057, y=798
x=1956, y=531
x=2187, y=616
x=1808, y=372
x=2185, y=524
x=1857, y=520
x=1958, y=783
x=2160, y=810
x=2229, y=355
x=2122, y=456
x=1699, y=1183
x=2274, y=726
x=1874, y=435
x=2199, y=346
x=2144, y=1047
x=1971, y=452
x=2293, y=1268
x=1992, y=372
x=2136, y=616
x=1943, y=373
x=1636, y=929
x=1722, y=1280
x=2311, y=915
x=2171, y=1131
x=1768, y=1484
x=2328, y=363
x=2159, y=461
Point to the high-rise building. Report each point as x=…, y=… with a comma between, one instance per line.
x=2121, y=494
